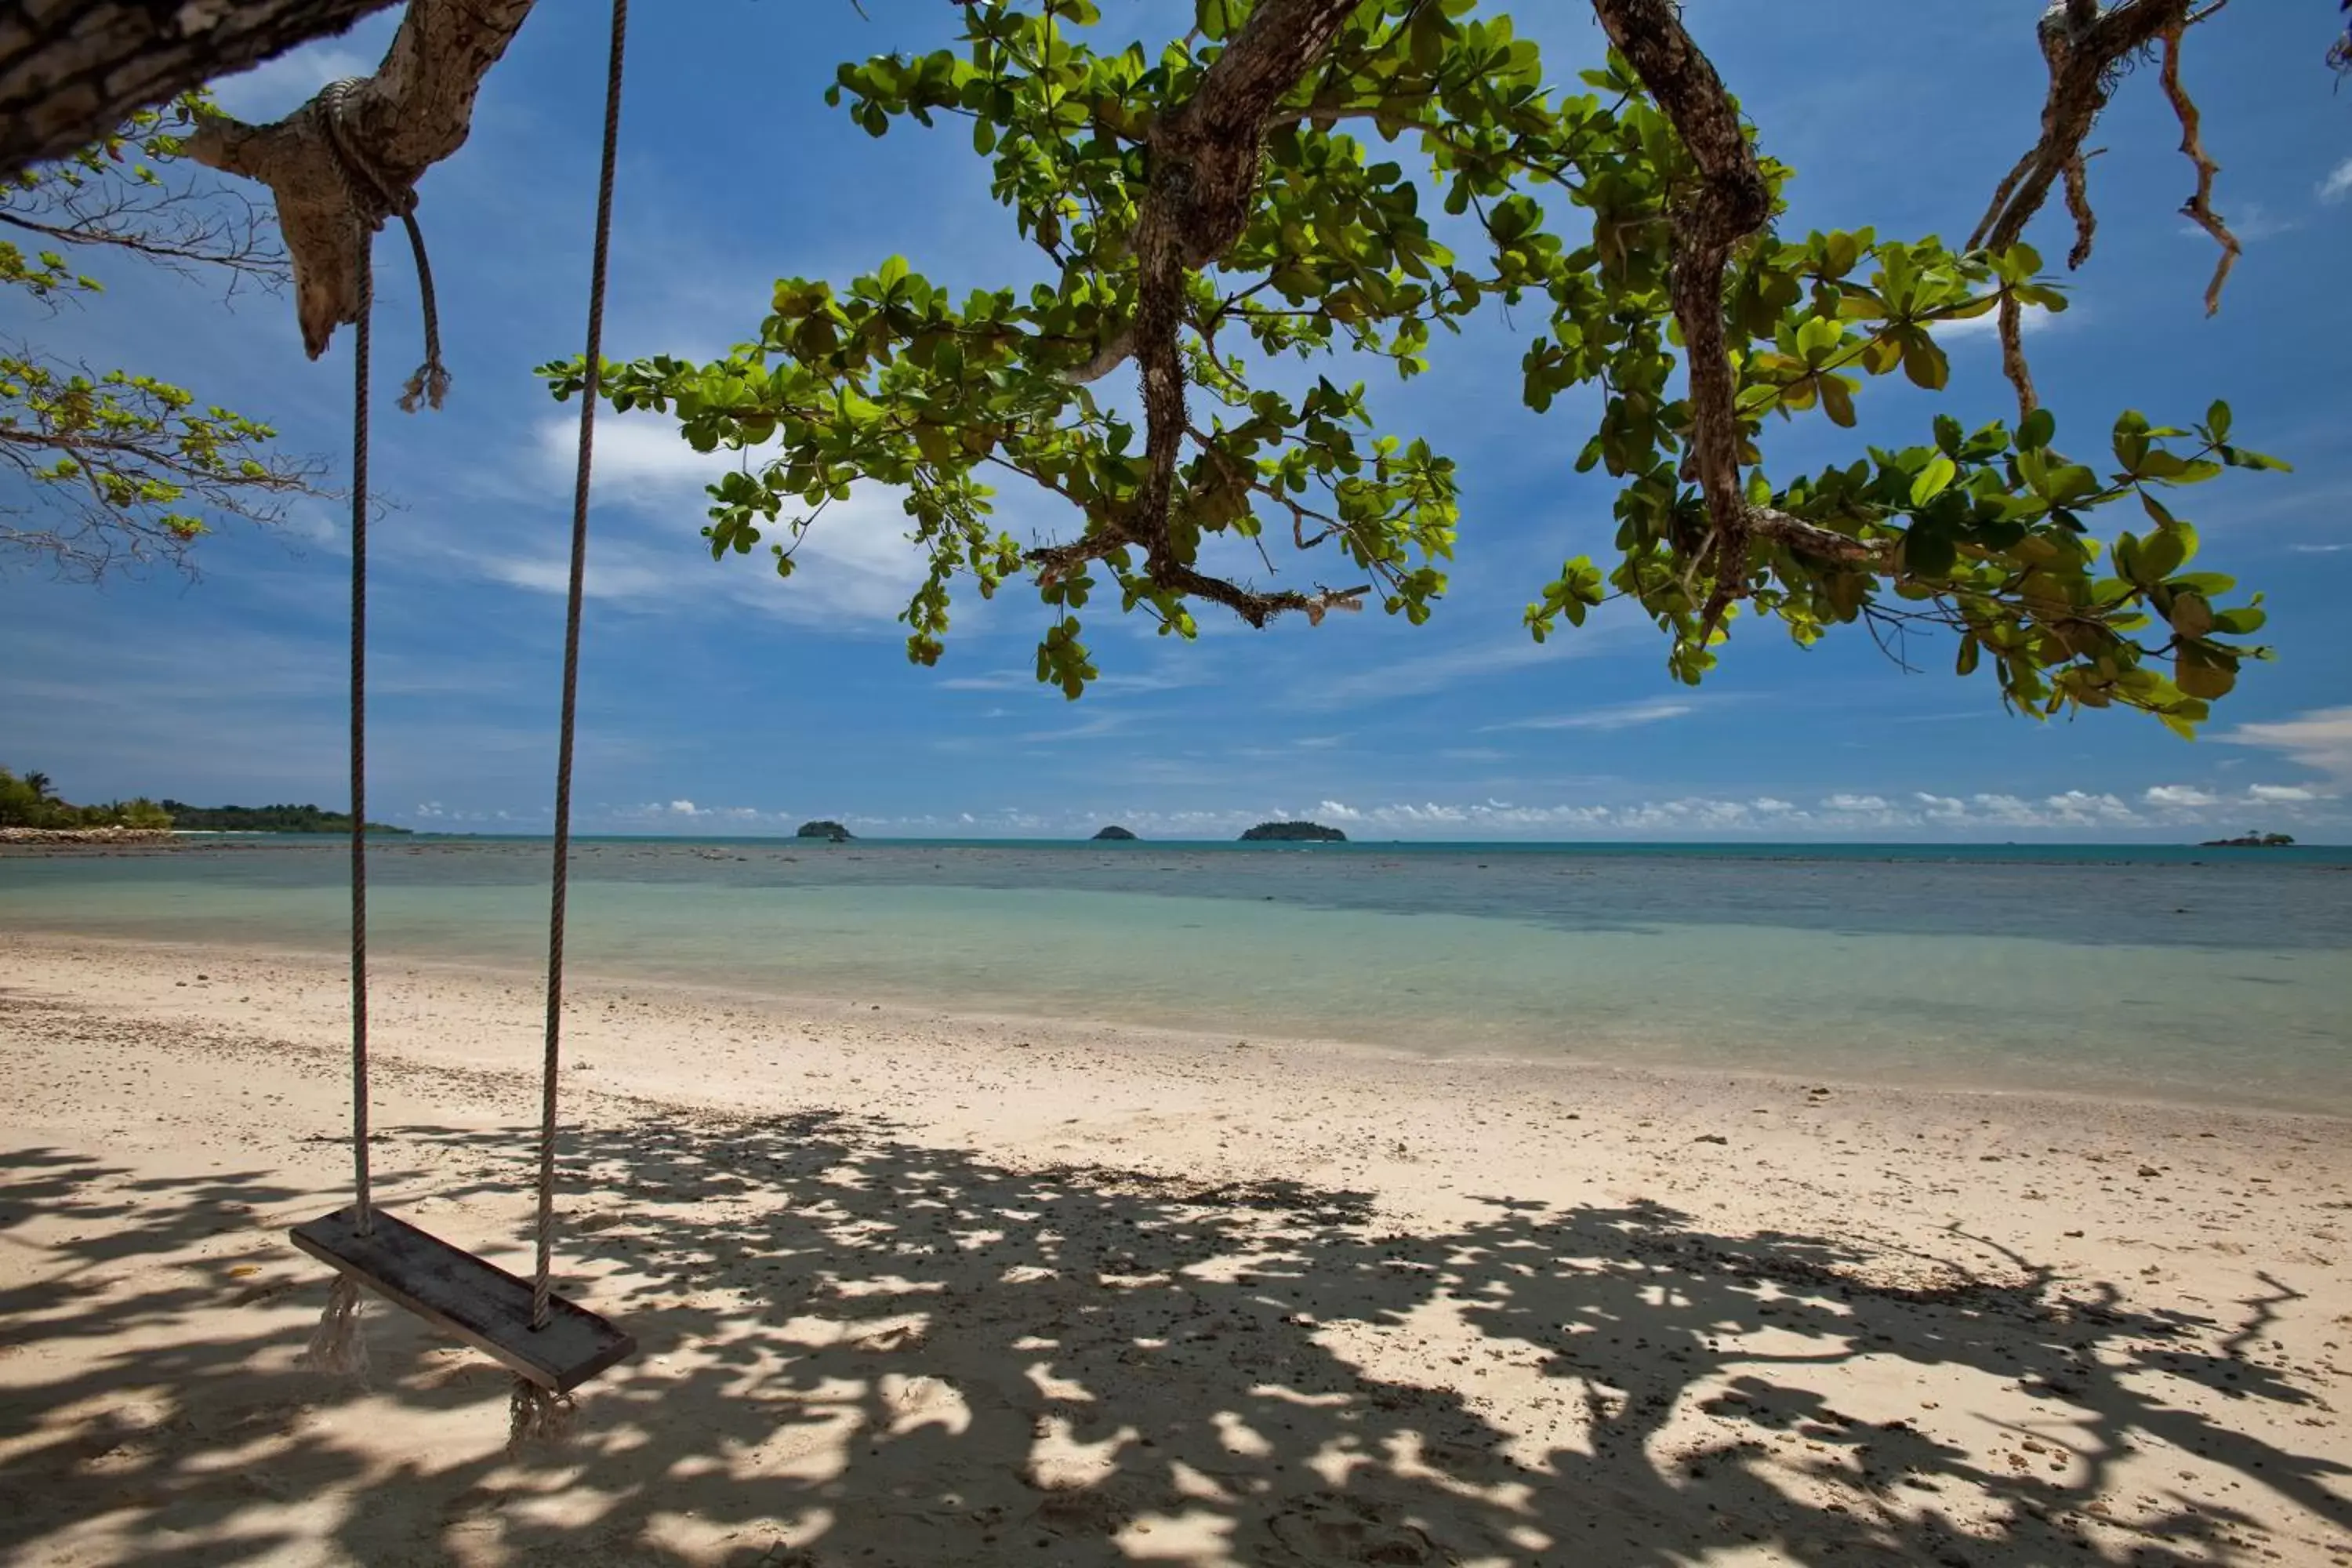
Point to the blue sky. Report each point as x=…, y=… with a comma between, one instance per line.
x=717, y=698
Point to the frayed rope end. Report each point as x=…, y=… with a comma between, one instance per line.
x=429, y=385
x=536, y=1416
x=337, y=1347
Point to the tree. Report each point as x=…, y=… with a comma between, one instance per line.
x=70, y=73
x=27, y=800
x=125, y=467
x=1237, y=185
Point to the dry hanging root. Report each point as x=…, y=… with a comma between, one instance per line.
x=337, y=1347
x=536, y=1416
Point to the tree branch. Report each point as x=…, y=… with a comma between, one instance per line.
x=1731, y=202
x=70, y=73
x=1203, y=165
x=415, y=111
x=2199, y=207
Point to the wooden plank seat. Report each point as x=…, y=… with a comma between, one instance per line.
x=475, y=1302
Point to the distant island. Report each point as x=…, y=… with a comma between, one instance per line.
x=1293, y=833
x=1116, y=832
x=833, y=830
x=2251, y=841
x=188, y=818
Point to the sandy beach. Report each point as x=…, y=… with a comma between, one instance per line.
x=917, y=1289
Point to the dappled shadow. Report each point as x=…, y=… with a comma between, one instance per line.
x=884, y=1352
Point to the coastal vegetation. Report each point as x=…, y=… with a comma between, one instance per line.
x=825, y=828
x=27, y=800
x=2251, y=841
x=264, y=819
x=1117, y=834
x=31, y=801
x=1293, y=833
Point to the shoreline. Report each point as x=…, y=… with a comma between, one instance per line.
x=1503, y=1065
x=923, y=1290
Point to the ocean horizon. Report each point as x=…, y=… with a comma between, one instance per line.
x=2163, y=972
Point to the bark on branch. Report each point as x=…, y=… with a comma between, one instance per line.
x=2088, y=48
x=70, y=73
x=1731, y=202
x=1202, y=168
x=415, y=111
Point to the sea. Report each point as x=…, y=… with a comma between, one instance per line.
x=2210, y=976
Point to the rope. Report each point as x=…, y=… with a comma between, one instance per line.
x=374, y=197
x=365, y=1203
x=540, y=1289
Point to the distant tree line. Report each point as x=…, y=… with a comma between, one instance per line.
x=264, y=819
x=29, y=800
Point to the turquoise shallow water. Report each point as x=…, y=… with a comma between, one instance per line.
x=2170, y=973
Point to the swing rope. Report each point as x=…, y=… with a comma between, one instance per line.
x=535, y=1412
x=336, y=1345
x=365, y=1199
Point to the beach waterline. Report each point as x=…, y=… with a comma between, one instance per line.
x=2149, y=978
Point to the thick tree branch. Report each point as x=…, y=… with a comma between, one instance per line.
x=1731, y=202
x=415, y=111
x=70, y=73
x=1202, y=163
x=1824, y=543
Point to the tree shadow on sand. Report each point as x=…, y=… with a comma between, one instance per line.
x=859, y=1350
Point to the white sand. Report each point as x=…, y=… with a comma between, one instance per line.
x=921, y=1289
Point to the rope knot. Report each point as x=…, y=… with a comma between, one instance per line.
x=373, y=194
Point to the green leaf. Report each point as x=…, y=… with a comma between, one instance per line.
x=2034, y=431
x=1932, y=479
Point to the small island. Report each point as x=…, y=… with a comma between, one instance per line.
x=1115, y=834
x=2251, y=841
x=832, y=830
x=1293, y=833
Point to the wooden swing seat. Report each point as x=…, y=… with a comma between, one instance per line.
x=474, y=1301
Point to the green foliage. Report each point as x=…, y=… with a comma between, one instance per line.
x=27, y=802
x=264, y=819
x=1502, y=190
x=124, y=467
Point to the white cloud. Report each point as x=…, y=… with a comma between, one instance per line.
x=1086, y=729
x=1856, y=803
x=2338, y=184
x=275, y=88
x=1842, y=814
x=1617, y=716
x=2032, y=319
x=2321, y=740
x=854, y=564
